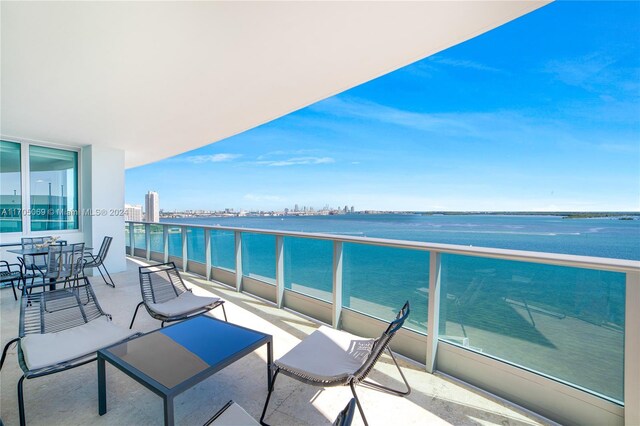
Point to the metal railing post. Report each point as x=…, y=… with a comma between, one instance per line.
x=147, y=240
x=632, y=350
x=185, y=254
x=433, y=312
x=207, y=252
x=238, y=238
x=165, y=242
x=132, y=239
x=280, y=270
x=337, y=284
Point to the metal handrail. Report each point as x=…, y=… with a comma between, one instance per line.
x=589, y=262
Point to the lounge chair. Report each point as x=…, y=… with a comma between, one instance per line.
x=329, y=357
x=233, y=414
x=97, y=261
x=59, y=330
x=167, y=299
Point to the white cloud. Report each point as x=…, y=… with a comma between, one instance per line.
x=463, y=63
x=289, y=153
x=214, y=158
x=297, y=161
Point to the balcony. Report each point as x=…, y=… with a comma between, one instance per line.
x=71, y=397
x=554, y=333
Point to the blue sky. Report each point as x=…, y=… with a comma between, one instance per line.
x=540, y=114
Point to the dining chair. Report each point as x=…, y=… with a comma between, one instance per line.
x=97, y=261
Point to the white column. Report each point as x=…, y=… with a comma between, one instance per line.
x=632, y=351
x=433, y=313
x=185, y=254
x=147, y=240
x=238, y=238
x=165, y=242
x=102, y=196
x=279, y=270
x=337, y=284
x=207, y=252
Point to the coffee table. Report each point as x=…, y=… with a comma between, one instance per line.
x=170, y=360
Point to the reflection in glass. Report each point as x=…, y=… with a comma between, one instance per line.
x=259, y=257
x=139, y=237
x=195, y=244
x=378, y=280
x=223, y=250
x=308, y=267
x=10, y=188
x=175, y=241
x=563, y=322
x=157, y=242
x=54, y=188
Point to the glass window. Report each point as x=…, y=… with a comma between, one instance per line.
x=10, y=188
x=54, y=188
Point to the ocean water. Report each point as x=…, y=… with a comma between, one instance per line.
x=566, y=323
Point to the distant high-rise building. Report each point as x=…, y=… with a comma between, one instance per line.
x=352, y=209
x=346, y=209
x=295, y=209
x=133, y=212
x=152, y=207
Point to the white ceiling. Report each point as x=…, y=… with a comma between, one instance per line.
x=160, y=78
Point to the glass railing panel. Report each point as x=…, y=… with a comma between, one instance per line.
x=139, y=237
x=259, y=257
x=566, y=323
x=223, y=250
x=175, y=241
x=378, y=280
x=195, y=244
x=157, y=239
x=127, y=236
x=308, y=267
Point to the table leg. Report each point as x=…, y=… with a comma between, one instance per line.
x=168, y=411
x=269, y=362
x=102, y=387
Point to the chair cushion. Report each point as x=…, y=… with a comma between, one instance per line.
x=234, y=415
x=185, y=303
x=43, y=350
x=327, y=355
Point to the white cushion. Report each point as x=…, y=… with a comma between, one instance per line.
x=183, y=304
x=327, y=355
x=235, y=415
x=44, y=350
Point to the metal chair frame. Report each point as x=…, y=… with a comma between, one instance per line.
x=156, y=294
x=97, y=261
x=380, y=345
x=49, y=312
x=7, y=275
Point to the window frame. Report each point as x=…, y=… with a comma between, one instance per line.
x=25, y=183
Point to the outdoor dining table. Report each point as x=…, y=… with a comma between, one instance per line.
x=42, y=252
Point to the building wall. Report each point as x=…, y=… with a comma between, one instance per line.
x=103, y=200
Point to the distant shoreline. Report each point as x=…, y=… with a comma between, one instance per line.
x=563, y=215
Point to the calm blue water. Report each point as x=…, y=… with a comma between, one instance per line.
x=590, y=237
x=565, y=322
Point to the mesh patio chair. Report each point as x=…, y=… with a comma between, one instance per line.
x=97, y=261
x=167, y=299
x=33, y=265
x=64, y=262
x=329, y=357
x=59, y=330
x=233, y=414
x=11, y=273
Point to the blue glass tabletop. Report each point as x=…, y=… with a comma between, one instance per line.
x=175, y=354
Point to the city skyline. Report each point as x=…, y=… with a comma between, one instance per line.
x=540, y=114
